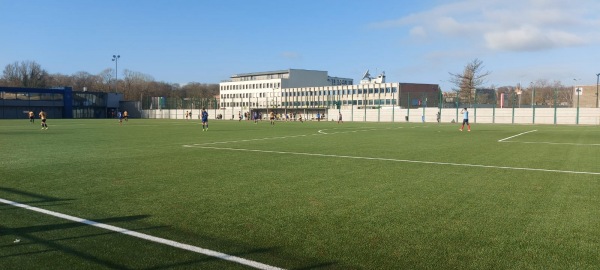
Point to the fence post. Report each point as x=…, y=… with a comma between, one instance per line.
x=407, y=106
x=475, y=108
x=578, y=92
x=513, y=106
x=456, y=105
x=423, y=104
x=393, y=106
x=495, y=104
x=555, y=104
x=533, y=103
x=365, y=106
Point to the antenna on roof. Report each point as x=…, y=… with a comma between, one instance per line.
x=367, y=75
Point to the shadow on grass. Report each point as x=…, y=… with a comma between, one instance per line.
x=27, y=253
x=209, y=259
x=33, y=197
x=62, y=248
x=27, y=233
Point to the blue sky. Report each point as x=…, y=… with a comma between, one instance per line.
x=180, y=41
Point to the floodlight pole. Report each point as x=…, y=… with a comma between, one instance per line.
x=116, y=60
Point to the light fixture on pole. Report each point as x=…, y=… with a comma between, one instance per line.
x=116, y=60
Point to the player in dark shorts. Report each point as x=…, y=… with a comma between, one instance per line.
x=43, y=116
x=465, y=120
x=204, y=120
x=31, y=117
x=272, y=117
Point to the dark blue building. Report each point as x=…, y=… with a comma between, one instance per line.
x=15, y=102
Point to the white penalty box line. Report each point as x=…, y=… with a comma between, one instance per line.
x=321, y=132
x=396, y=160
x=144, y=236
x=506, y=140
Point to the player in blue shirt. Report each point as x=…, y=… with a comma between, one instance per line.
x=204, y=120
x=120, y=116
x=465, y=119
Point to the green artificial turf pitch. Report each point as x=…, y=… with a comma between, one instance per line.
x=313, y=195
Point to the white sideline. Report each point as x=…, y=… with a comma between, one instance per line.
x=517, y=135
x=396, y=160
x=155, y=239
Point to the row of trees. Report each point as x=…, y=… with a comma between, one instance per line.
x=134, y=85
x=474, y=77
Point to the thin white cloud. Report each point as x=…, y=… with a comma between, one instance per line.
x=529, y=38
x=506, y=25
x=290, y=55
x=418, y=31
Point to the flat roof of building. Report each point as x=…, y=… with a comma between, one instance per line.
x=270, y=72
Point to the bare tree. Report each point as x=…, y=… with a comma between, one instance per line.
x=135, y=83
x=469, y=80
x=25, y=74
x=201, y=90
x=83, y=80
x=59, y=80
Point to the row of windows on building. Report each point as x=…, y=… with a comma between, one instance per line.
x=250, y=86
x=342, y=92
x=80, y=99
x=31, y=96
x=262, y=77
x=309, y=103
x=293, y=93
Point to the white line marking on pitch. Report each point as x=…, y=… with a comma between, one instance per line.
x=320, y=132
x=155, y=239
x=556, y=143
x=517, y=135
x=401, y=160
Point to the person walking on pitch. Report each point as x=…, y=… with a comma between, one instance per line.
x=465, y=120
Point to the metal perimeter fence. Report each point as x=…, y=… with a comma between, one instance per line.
x=554, y=106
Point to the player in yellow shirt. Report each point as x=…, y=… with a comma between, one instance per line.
x=43, y=116
x=272, y=117
x=31, y=117
x=126, y=116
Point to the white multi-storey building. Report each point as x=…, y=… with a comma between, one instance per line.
x=309, y=91
x=264, y=90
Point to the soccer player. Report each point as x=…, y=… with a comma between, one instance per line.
x=43, y=116
x=120, y=116
x=204, y=120
x=31, y=117
x=240, y=116
x=126, y=115
x=465, y=120
x=272, y=117
x=340, y=118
